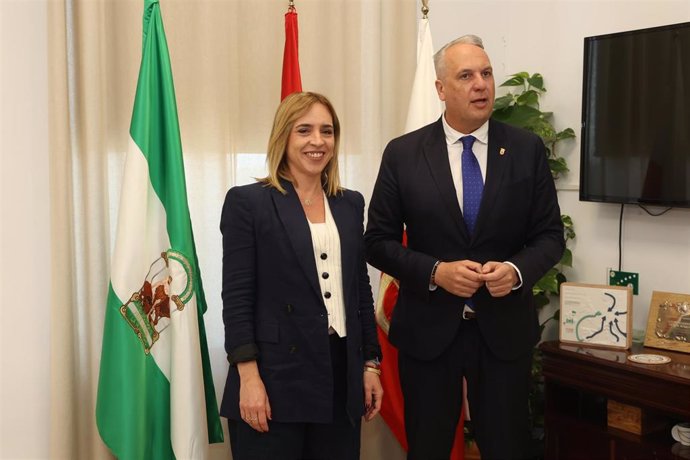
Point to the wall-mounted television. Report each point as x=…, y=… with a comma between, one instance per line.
x=635, y=143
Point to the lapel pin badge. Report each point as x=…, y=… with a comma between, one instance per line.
x=502, y=151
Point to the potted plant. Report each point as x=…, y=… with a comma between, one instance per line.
x=520, y=107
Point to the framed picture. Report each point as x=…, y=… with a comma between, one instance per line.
x=593, y=314
x=668, y=323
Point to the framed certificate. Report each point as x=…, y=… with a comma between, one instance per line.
x=593, y=314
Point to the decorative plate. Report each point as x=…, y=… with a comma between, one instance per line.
x=649, y=359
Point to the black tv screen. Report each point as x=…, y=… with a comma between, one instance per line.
x=636, y=117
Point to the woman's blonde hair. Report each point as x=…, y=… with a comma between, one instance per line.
x=289, y=111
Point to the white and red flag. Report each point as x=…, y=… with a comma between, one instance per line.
x=425, y=107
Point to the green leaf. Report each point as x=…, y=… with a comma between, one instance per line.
x=502, y=114
x=566, y=258
x=521, y=116
x=536, y=81
x=541, y=300
x=549, y=282
x=568, y=227
x=569, y=233
x=543, y=129
x=567, y=133
x=530, y=98
x=560, y=277
x=558, y=165
x=503, y=102
x=517, y=79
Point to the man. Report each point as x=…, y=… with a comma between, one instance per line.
x=480, y=233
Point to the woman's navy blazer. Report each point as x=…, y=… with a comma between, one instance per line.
x=273, y=307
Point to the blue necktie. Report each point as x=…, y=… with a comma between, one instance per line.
x=472, y=183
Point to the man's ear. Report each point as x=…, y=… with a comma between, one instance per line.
x=439, y=90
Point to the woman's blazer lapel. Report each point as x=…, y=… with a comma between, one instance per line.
x=294, y=221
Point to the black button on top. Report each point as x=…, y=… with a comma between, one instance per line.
x=325, y=275
x=324, y=256
x=327, y=295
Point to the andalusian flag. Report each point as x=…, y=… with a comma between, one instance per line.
x=155, y=393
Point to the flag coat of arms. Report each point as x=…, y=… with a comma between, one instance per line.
x=156, y=398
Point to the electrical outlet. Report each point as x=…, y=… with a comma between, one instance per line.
x=617, y=278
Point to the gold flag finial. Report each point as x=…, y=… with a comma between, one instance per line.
x=425, y=9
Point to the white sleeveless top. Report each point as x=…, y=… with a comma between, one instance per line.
x=326, y=242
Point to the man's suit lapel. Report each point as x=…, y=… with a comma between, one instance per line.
x=436, y=153
x=297, y=230
x=495, y=166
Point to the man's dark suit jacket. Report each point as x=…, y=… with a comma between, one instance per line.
x=273, y=307
x=518, y=221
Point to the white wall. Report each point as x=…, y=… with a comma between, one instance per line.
x=547, y=37
x=24, y=232
x=544, y=36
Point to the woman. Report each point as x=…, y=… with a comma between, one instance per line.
x=299, y=321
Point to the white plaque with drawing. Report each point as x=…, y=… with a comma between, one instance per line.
x=593, y=314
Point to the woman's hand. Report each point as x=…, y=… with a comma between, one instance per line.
x=373, y=394
x=254, y=406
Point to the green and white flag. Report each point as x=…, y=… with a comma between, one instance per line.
x=155, y=392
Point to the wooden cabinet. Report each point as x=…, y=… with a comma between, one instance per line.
x=582, y=381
